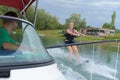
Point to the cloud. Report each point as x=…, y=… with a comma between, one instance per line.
x=63, y=3
x=80, y=3
x=105, y=3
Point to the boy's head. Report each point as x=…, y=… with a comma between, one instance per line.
x=10, y=22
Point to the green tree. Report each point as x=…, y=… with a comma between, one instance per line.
x=30, y=14
x=44, y=19
x=76, y=18
x=83, y=23
x=113, y=20
x=89, y=26
x=52, y=22
x=106, y=25
x=41, y=19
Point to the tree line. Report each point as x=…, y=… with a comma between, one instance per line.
x=46, y=21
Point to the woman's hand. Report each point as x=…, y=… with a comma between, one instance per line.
x=82, y=34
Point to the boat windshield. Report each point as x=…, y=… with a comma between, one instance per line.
x=31, y=50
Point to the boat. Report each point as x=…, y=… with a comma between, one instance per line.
x=31, y=61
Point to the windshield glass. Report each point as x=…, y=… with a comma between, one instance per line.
x=30, y=51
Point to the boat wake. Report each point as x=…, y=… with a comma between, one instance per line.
x=70, y=74
x=99, y=69
x=88, y=67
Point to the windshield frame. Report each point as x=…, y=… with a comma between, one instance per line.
x=14, y=65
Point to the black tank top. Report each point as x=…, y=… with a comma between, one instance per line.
x=69, y=37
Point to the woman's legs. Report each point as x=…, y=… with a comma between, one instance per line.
x=75, y=49
x=70, y=52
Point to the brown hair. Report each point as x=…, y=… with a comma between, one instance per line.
x=11, y=14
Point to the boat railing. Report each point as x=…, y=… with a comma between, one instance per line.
x=82, y=43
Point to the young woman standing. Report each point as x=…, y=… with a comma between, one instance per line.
x=70, y=33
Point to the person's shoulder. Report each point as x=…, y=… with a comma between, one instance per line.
x=2, y=29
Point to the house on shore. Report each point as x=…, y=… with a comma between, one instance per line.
x=97, y=31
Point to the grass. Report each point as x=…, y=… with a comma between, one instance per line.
x=88, y=38
x=50, y=32
x=58, y=33
x=116, y=36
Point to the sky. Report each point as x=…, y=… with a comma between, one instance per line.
x=96, y=12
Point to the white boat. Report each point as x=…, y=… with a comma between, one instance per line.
x=31, y=61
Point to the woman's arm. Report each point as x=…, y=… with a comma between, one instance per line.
x=79, y=34
x=72, y=33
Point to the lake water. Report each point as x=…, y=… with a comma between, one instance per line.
x=102, y=60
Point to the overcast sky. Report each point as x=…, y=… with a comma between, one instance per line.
x=96, y=12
